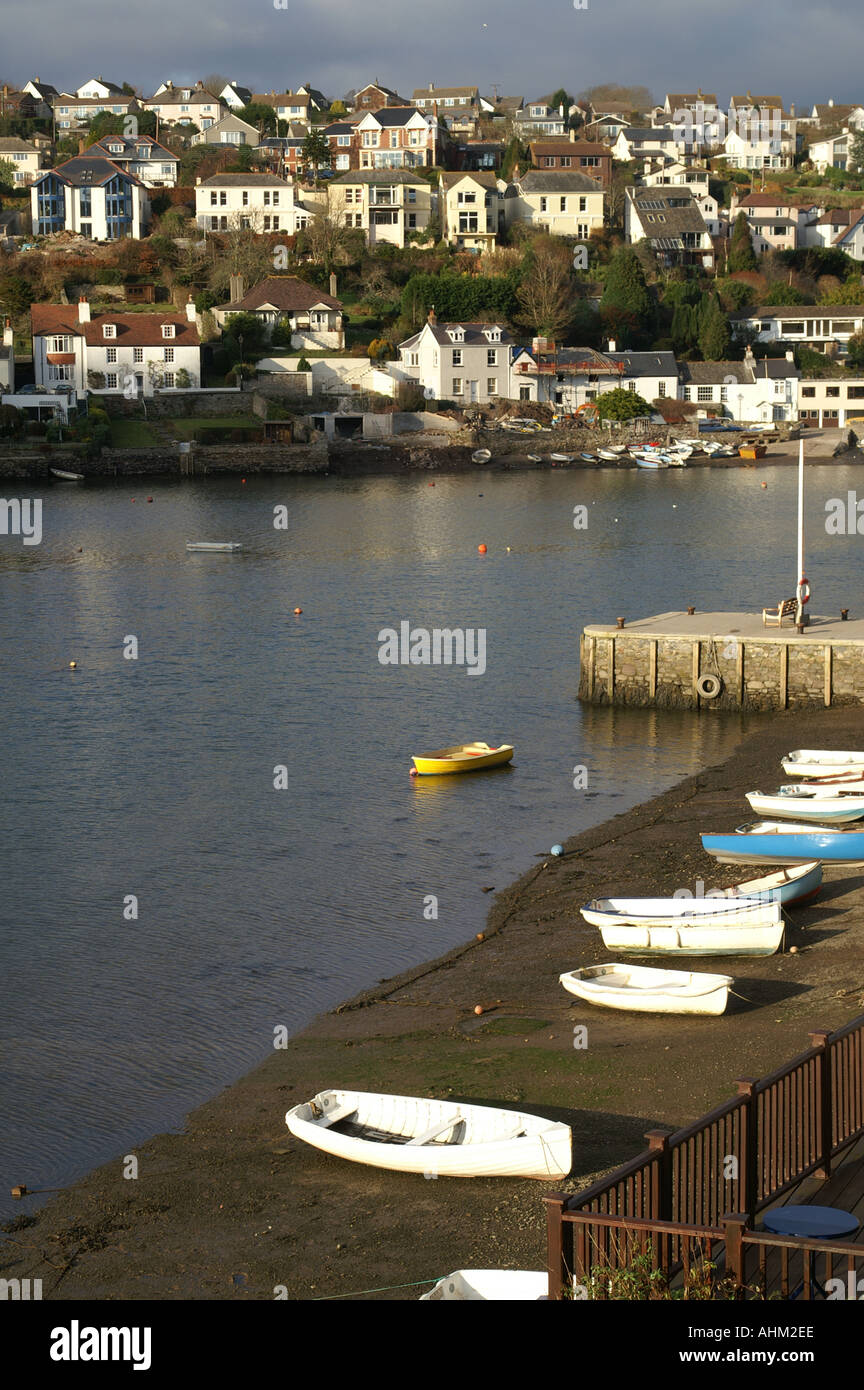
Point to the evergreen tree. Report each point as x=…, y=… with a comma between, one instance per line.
x=627, y=305
x=714, y=336
x=516, y=154
x=741, y=254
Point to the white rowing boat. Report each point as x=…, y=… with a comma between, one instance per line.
x=65, y=476
x=216, y=547
x=481, y=455
x=796, y=883
x=665, y=911
x=562, y=458
x=641, y=989
x=490, y=1286
x=825, y=805
x=756, y=930
x=822, y=762
x=410, y=1134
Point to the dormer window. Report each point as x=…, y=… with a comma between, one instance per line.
x=493, y=334
x=109, y=330
x=457, y=335
x=168, y=330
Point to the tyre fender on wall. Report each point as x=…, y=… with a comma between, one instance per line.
x=709, y=687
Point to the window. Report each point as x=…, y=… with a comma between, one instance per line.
x=631, y=385
x=109, y=330
x=214, y=224
x=412, y=195
x=343, y=140
x=168, y=330
x=544, y=203
x=855, y=393
x=524, y=393
x=168, y=380
x=457, y=357
x=111, y=380
x=583, y=204
x=59, y=345
x=491, y=357
x=704, y=393
x=661, y=388
x=687, y=393
x=223, y=199
x=394, y=139
x=137, y=354
x=492, y=386
x=808, y=391
x=110, y=354
x=59, y=373
x=214, y=199
x=244, y=198
x=832, y=391
x=266, y=197
x=563, y=204
x=565, y=161
x=456, y=389
x=468, y=222
x=582, y=229
x=412, y=220
x=168, y=354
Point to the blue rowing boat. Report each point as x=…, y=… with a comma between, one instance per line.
x=782, y=843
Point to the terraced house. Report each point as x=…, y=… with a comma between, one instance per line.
x=114, y=353
x=191, y=105
x=91, y=196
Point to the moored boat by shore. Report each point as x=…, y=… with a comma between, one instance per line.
x=643, y=989
x=755, y=932
x=411, y=1134
x=462, y=757
x=822, y=762
x=829, y=805
x=215, y=547
x=780, y=842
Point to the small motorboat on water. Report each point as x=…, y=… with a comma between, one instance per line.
x=216, y=547
x=642, y=989
x=490, y=1285
x=413, y=1134
x=822, y=762
x=462, y=757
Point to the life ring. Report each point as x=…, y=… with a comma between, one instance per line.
x=803, y=591
x=709, y=687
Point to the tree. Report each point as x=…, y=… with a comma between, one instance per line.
x=741, y=255
x=855, y=354
x=315, y=151
x=627, y=306
x=560, y=98
x=779, y=292
x=7, y=174
x=328, y=240
x=619, y=404
x=855, y=159
x=259, y=115
x=714, y=336
x=214, y=83
x=337, y=110
x=611, y=96
x=515, y=155
x=546, y=295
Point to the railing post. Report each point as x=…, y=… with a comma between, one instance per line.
x=735, y=1224
x=748, y=1160
x=559, y=1245
x=824, y=1101
x=658, y=1142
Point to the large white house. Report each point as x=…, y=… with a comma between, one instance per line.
x=260, y=202
x=118, y=354
x=671, y=221
x=569, y=378
x=388, y=204
x=464, y=362
x=834, y=152
x=750, y=391
x=840, y=228
x=558, y=201
x=145, y=158
x=826, y=327
x=92, y=196
x=471, y=206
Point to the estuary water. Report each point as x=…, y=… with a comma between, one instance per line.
x=165, y=905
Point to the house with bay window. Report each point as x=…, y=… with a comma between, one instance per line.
x=388, y=204
x=145, y=158
x=561, y=202
x=314, y=318
x=90, y=195
x=464, y=362
x=190, y=105
x=826, y=327
x=398, y=137
x=568, y=378
x=472, y=209
x=111, y=353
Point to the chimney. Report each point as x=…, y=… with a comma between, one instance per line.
x=7, y=333
x=431, y=86
x=82, y=144
x=612, y=345
x=432, y=317
x=573, y=135
x=790, y=355
x=235, y=288
x=791, y=108
x=190, y=310
x=332, y=284
x=83, y=310
x=830, y=101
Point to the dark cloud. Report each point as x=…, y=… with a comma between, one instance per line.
x=805, y=52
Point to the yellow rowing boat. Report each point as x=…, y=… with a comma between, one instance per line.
x=462, y=757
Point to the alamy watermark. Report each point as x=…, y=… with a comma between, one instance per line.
x=437, y=646
x=22, y=516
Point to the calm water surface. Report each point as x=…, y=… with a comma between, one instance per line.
x=154, y=777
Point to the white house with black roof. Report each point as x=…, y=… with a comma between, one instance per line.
x=145, y=158
x=259, y=202
x=464, y=362
x=753, y=391
x=92, y=196
x=568, y=378
x=559, y=201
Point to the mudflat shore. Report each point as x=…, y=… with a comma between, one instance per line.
x=235, y=1208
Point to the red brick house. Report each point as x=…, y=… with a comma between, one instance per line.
x=579, y=156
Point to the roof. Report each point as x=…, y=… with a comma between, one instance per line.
x=245, y=181
x=659, y=202
x=285, y=292
x=475, y=334
x=563, y=146
x=466, y=93
x=749, y=100
x=378, y=87
x=130, y=147
x=481, y=176
x=839, y=217
x=635, y=363
x=89, y=169
x=281, y=98
x=393, y=115
x=173, y=96
x=675, y=99
x=802, y=311
x=767, y=200
x=838, y=112
x=133, y=330
x=10, y=144
x=659, y=135
x=378, y=176
x=743, y=373
x=557, y=181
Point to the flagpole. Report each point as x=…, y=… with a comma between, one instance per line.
x=799, y=590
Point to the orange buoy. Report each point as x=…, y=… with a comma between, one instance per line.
x=298, y=611
x=482, y=549
x=764, y=484
x=242, y=480
x=478, y=1008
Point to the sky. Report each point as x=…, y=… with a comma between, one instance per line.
x=803, y=51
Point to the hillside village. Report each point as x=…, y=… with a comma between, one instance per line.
x=586, y=257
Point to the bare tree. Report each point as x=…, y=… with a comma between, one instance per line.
x=546, y=295
x=215, y=83
x=328, y=239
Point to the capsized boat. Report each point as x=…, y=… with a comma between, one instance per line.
x=481, y=456
x=827, y=805
x=757, y=931
x=642, y=989
x=462, y=757
x=821, y=762
x=411, y=1134
x=490, y=1285
x=785, y=842
x=217, y=547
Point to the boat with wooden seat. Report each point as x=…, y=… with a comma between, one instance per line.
x=462, y=757
x=786, y=842
x=414, y=1134
x=643, y=989
x=822, y=762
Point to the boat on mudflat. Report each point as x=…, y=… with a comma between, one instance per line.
x=828, y=805
x=758, y=931
x=822, y=762
x=662, y=912
x=462, y=757
x=791, y=886
x=481, y=456
x=781, y=842
x=65, y=476
x=490, y=1285
x=412, y=1134
x=642, y=989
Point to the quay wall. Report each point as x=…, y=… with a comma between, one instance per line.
x=621, y=668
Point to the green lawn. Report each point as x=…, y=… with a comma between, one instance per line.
x=185, y=426
x=132, y=434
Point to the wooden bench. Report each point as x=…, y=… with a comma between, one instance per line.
x=787, y=609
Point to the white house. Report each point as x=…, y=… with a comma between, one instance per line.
x=748, y=391
x=831, y=402
x=471, y=207
x=569, y=378
x=190, y=105
x=387, y=204
x=463, y=362
x=91, y=196
x=649, y=142
x=235, y=96
x=775, y=222
x=25, y=157
x=7, y=360
x=146, y=159
x=826, y=327
x=832, y=153
x=761, y=144
x=72, y=111
x=670, y=219
x=114, y=353
x=314, y=318
x=563, y=203
x=260, y=202
x=841, y=228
